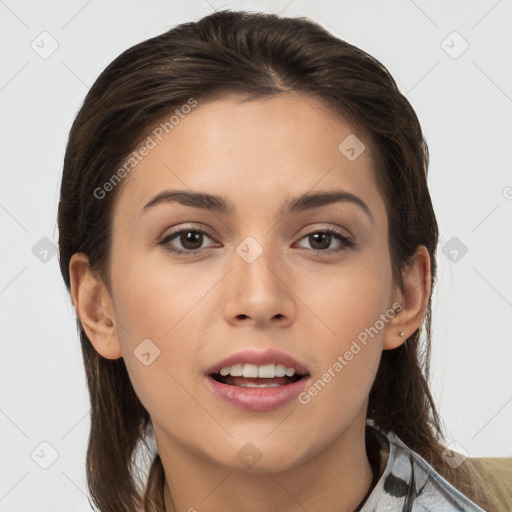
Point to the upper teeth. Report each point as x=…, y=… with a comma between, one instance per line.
x=266, y=371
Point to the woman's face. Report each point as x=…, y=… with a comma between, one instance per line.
x=258, y=279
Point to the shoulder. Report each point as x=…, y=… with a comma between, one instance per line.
x=409, y=483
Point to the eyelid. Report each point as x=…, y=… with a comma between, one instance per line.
x=318, y=227
x=179, y=230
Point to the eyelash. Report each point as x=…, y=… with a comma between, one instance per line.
x=347, y=242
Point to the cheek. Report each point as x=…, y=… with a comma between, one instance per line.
x=348, y=299
x=158, y=311
x=353, y=304
x=159, y=364
x=152, y=301
x=347, y=364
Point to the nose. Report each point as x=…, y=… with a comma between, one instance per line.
x=260, y=291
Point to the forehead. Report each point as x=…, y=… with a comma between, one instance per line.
x=265, y=147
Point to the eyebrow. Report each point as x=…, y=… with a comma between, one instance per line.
x=220, y=204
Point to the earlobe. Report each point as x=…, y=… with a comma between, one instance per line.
x=414, y=296
x=94, y=307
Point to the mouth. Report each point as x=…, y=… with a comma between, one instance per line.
x=256, y=394
x=251, y=368
x=257, y=381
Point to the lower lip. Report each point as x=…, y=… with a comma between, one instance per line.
x=257, y=399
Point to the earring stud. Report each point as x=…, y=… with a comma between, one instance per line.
x=402, y=333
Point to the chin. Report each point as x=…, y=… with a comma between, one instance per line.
x=250, y=459
x=269, y=466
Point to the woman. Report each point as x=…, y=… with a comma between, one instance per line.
x=249, y=242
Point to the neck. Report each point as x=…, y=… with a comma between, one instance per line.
x=335, y=479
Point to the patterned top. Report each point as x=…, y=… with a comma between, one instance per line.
x=406, y=482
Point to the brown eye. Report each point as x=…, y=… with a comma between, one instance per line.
x=190, y=241
x=322, y=239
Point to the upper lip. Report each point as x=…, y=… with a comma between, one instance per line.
x=269, y=356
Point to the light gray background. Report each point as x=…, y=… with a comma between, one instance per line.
x=464, y=102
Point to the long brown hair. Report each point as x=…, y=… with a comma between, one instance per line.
x=258, y=55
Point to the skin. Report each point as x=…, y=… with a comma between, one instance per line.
x=258, y=154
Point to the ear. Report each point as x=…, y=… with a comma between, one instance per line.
x=94, y=307
x=413, y=296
